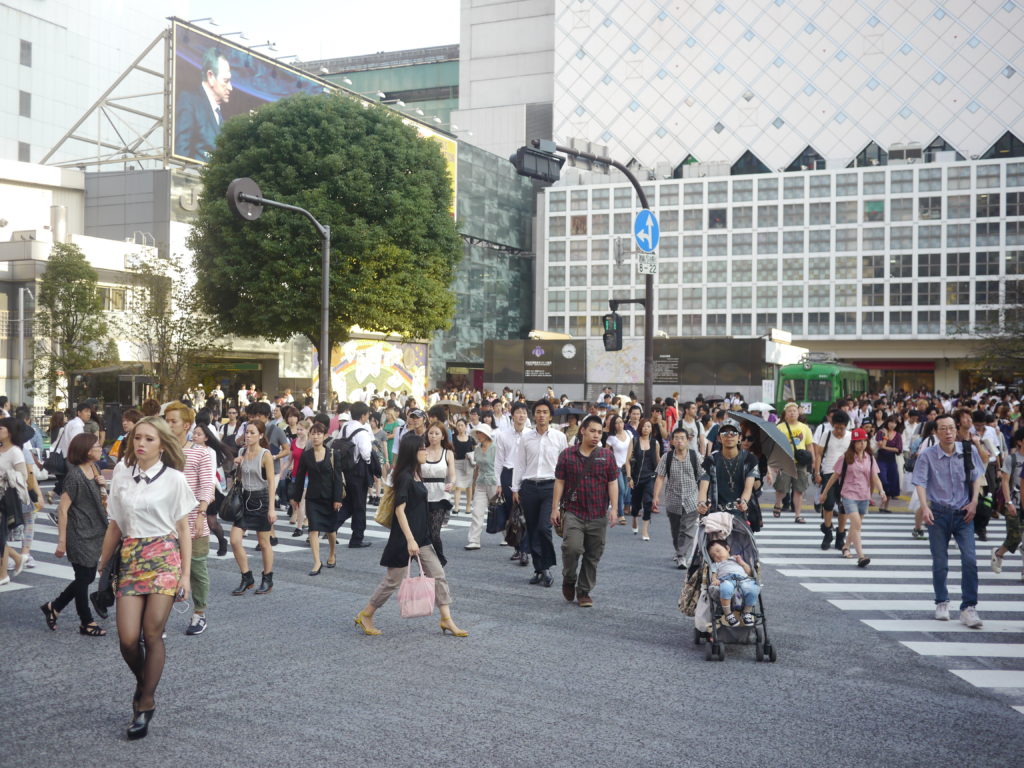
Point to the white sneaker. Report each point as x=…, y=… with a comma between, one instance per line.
x=5, y=580
x=942, y=611
x=997, y=563
x=969, y=617
x=30, y=562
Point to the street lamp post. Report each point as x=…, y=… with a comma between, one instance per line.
x=246, y=201
x=536, y=167
x=21, y=341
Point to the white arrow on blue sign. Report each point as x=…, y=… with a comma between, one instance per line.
x=646, y=231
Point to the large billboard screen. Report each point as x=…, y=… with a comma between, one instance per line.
x=214, y=80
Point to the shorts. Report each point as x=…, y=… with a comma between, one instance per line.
x=853, y=505
x=832, y=499
x=784, y=483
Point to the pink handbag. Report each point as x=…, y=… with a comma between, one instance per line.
x=416, y=594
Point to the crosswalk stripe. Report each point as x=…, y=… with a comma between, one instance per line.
x=991, y=678
x=851, y=562
x=922, y=551
x=1020, y=709
x=915, y=589
x=869, y=573
x=980, y=650
x=993, y=626
x=248, y=543
x=13, y=586
x=999, y=606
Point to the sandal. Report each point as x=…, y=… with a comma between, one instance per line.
x=863, y=562
x=93, y=630
x=799, y=519
x=51, y=616
x=777, y=511
x=846, y=552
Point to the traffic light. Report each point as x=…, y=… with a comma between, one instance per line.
x=537, y=164
x=612, y=332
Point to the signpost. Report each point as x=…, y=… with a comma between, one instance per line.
x=646, y=231
x=647, y=264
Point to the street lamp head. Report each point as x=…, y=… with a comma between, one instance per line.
x=244, y=199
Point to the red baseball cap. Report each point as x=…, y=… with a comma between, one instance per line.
x=858, y=434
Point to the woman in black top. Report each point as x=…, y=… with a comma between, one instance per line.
x=323, y=496
x=463, y=446
x=410, y=537
x=644, y=460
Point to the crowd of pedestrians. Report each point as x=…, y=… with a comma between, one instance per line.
x=145, y=503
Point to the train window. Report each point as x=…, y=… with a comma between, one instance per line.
x=819, y=391
x=793, y=389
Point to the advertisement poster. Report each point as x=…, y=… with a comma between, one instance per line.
x=391, y=366
x=535, y=362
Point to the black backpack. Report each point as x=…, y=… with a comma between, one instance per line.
x=693, y=461
x=344, y=448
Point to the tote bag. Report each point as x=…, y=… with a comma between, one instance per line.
x=416, y=594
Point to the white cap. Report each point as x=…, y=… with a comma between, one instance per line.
x=484, y=429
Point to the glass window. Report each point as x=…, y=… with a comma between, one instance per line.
x=623, y=197
x=986, y=233
x=987, y=205
x=556, y=324
x=819, y=295
x=846, y=185
x=718, y=191
x=693, y=272
x=578, y=225
x=929, y=293
x=958, y=321
x=668, y=298
x=767, y=216
x=556, y=301
x=1014, y=262
x=821, y=185
x=578, y=301
x=819, y=268
x=599, y=199
x=622, y=223
x=958, y=178
x=846, y=239
x=986, y=263
x=599, y=248
x=958, y=292
x=741, y=324
x=846, y=267
x=578, y=276
x=793, y=242
x=793, y=215
x=1015, y=204
x=668, y=323
x=929, y=207
x=792, y=296
x=741, y=217
x=691, y=325
x=693, y=246
x=987, y=176
x=1014, y=232
x=767, y=270
x=693, y=194
x=578, y=200
x=669, y=221
x=578, y=325
x=716, y=298
x=741, y=244
x=742, y=191
x=874, y=239
x=556, y=251
x=716, y=324
x=556, y=226
x=1014, y=297
x=958, y=235
x=793, y=188
x=622, y=275
x=767, y=296
x=817, y=323
x=958, y=207
x=846, y=295
x=874, y=183
x=820, y=213
x=793, y=269
x=26, y=53
x=692, y=220
x=692, y=298
x=846, y=323
x=599, y=274
x=901, y=238
x=556, y=277
x=741, y=271
x=873, y=266
x=1015, y=175
x=599, y=224
x=717, y=218
x=767, y=242
x=668, y=270
x=794, y=323
x=24, y=104
x=929, y=237
x=901, y=322
x=741, y=297
x=767, y=189
x=872, y=322
x=846, y=212
x=668, y=195
x=820, y=241
x=874, y=210
x=556, y=201
x=717, y=245
x=902, y=181
x=902, y=209
x=901, y=265
x=578, y=250
x=929, y=180
x=958, y=264
x=986, y=292
x=717, y=271
x=986, y=320
x=928, y=322
x=901, y=294
x=929, y=264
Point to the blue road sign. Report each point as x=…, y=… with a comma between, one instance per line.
x=646, y=231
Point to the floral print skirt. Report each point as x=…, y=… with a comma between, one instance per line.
x=149, y=566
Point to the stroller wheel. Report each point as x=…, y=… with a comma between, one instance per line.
x=720, y=649
x=759, y=652
x=696, y=637
x=709, y=651
x=770, y=650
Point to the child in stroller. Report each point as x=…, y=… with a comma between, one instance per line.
x=731, y=573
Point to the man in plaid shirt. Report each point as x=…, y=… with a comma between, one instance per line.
x=588, y=478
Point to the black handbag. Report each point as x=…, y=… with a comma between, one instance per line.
x=496, y=513
x=11, y=505
x=515, y=529
x=231, y=509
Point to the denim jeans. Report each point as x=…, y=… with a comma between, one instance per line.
x=949, y=522
x=856, y=505
x=749, y=588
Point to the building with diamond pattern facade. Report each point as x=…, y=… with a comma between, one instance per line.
x=850, y=172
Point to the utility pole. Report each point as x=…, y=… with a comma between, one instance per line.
x=530, y=162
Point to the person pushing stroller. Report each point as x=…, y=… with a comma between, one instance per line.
x=732, y=574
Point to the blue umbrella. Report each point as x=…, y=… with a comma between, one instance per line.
x=770, y=443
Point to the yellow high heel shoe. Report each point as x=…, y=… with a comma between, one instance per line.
x=366, y=630
x=456, y=633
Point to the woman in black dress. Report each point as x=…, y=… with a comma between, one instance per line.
x=410, y=536
x=323, y=496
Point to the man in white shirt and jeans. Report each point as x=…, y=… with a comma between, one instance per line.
x=533, y=485
x=506, y=443
x=357, y=482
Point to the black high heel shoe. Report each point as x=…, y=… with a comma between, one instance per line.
x=139, y=726
x=316, y=571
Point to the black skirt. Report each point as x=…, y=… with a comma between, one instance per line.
x=254, y=512
x=322, y=516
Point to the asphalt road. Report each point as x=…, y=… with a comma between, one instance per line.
x=286, y=679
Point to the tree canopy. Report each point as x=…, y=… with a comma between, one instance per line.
x=385, y=194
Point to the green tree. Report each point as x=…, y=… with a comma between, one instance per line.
x=1001, y=347
x=69, y=321
x=385, y=194
x=165, y=322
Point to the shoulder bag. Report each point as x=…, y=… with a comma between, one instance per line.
x=55, y=463
x=386, y=507
x=802, y=457
x=231, y=509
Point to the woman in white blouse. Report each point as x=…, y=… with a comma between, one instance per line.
x=148, y=508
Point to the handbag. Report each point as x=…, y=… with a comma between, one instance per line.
x=231, y=510
x=515, y=528
x=416, y=594
x=386, y=507
x=800, y=456
x=11, y=505
x=496, y=513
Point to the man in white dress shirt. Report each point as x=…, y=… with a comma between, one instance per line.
x=533, y=483
x=506, y=443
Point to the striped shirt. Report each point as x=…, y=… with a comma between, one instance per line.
x=199, y=474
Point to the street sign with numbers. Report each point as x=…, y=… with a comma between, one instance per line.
x=647, y=263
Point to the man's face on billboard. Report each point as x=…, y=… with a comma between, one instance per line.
x=220, y=81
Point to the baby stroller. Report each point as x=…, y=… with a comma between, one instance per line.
x=733, y=529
